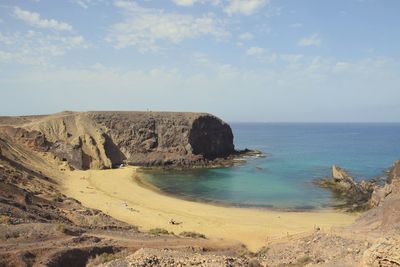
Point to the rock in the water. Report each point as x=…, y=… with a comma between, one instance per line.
x=342, y=179
x=355, y=194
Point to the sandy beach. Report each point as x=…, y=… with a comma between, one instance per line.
x=117, y=193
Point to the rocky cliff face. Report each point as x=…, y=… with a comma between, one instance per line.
x=155, y=138
x=96, y=140
x=391, y=189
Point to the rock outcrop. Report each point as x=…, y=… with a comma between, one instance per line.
x=98, y=140
x=35, y=140
x=385, y=202
x=342, y=179
x=390, y=189
x=356, y=194
x=384, y=253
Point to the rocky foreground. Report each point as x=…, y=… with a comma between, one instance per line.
x=39, y=226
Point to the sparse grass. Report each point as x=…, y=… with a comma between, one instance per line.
x=192, y=235
x=61, y=228
x=4, y=219
x=159, y=231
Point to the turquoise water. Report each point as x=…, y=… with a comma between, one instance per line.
x=296, y=155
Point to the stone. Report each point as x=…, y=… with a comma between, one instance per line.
x=384, y=253
x=391, y=187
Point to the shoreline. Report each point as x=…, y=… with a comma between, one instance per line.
x=118, y=194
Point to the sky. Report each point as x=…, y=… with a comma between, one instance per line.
x=242, y=60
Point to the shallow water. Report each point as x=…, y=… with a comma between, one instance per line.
x=296, y=155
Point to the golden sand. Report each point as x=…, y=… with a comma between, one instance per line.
x=117, y=193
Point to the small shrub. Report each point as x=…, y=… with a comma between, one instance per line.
x=61, y=228
x=192, y=235
x=4, y=219
x=158, y=231
x=263, y=250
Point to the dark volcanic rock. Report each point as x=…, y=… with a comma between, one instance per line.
x=164, y=138
x=73, y=154
x=211, y=137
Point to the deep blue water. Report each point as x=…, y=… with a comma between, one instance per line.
x=296, y=155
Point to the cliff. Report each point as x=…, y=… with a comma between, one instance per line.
x=97, y=140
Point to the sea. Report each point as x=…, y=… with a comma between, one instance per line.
x=296, y=155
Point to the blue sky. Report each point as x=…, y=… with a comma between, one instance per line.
x=243, y=60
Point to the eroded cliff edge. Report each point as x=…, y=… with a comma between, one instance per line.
x=98, y=140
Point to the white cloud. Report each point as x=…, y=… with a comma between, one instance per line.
x=145, y=27
x=246, y=7
x=246, y=36
x=292, y=58
x=313, y=40
x=34, y=19
x=296, y=25
x=201, y=58
x=313, y=85
x=342, y=66
x=255, y=51
x=83, y=3
x=184, y=2
x=192, y=2
x=36, y=48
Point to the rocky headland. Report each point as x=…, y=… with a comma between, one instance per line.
x=101, y=140
x=41, y=226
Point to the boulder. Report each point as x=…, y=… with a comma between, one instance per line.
x=342, y=179
x=384, y=253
